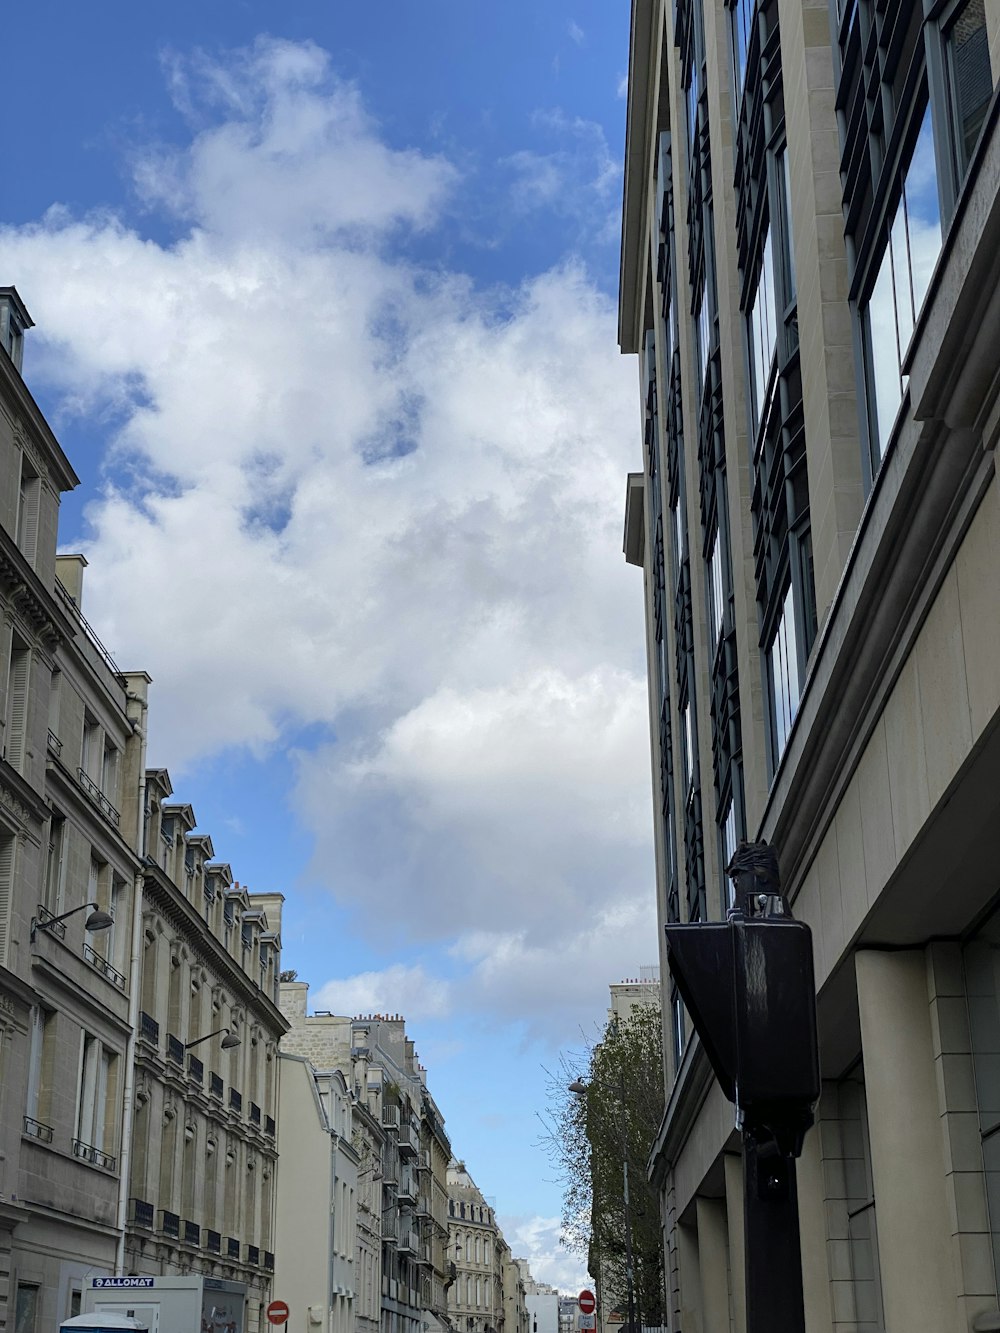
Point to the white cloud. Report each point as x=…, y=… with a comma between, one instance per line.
x=537, y=1240
x=574, y=175
x=398, y=989
x=576, y=33
x=352, y=493
x=622, y=90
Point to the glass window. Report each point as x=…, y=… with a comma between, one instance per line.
x=704, y=335
x=716, y=594
x=784, y=212
x=783, y=676
x=26, y=1308
x=692, y=108
x=742, y=19
x=677, y=1025
x=762, y=329
x=727, y=830
x=901, y=284
x=688, y=742
x=678, y=538
x=970, y=79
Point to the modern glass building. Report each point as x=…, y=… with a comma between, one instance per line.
x=810, y=281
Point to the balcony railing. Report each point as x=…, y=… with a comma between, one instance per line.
x=78, y=615
x=390, y=1115
x=170, y=1224
x=215, y=1085
x=192, y=1234
x=149, y=1030
x=232, y=1247
x=213, y=1241
x=254, y=1114
x=117, y=979
x=390, y=1226
x=424, y=1160
x=269, y=1126
x=175, y=1049
x=409, y=1143
x=34, y=1129
x=96, y=1156
x=44, y=915
x=235, y=1100
x=196, y=1070
x=54, y=743
x=253, y=1256
x=97, y=796
x=407, y=1240
x=141, y=1213
x=268, y=1262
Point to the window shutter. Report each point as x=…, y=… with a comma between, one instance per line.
x=17, y=705
x=30, y=496
x=6, y=893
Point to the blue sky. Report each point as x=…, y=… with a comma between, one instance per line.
x=325, y=299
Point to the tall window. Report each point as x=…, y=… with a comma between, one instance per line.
x=913, y=85
x=783, y=674
x=8, y=843
x=742, y=28
x=95, y=1095
x=901, y=283
x=55, y=864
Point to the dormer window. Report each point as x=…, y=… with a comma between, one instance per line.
x=14, y=319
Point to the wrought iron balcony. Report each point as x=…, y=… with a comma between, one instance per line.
x=97, y=796
x=196, y=1070
x=213, y=1241
x=86, y=1152
x=170, y=1224
x=34, y=1129
x=175, y=1049
x=192, y=1234
x=215, y=1085
x=110, y=973
x=390, y=1115
x=149, y=1030
x=141, y=1213
x=54, y=743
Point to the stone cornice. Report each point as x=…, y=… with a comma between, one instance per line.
x=19, y=798
x=23, y=409
x=37, y=607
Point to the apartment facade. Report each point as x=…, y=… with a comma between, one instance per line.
x=476, y=1297
x=203, y=1142
x=809, y=280
x=316, y=1247
x=408, y=1175
x=73, y=729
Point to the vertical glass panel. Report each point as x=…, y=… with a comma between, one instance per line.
x=883, y=350
x=742, y=18
x=704, y=336
x=923, y=219
x=727, y=830
x=692, y=110
x=716, y=596
x=678, y=538
x=783, y=673
x=762, y=328
x=970, y=77
x=788, y=245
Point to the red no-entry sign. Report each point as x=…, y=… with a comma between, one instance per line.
x=277, y=1312
x=588, y=1302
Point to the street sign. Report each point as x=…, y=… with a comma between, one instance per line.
x=277, y=1312
x=587, y=1321
x=588, y=1303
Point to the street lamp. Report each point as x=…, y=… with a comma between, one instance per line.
x=581, y=1089
x=227, y=1043
x=98, y=919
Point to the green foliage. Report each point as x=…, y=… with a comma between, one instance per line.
x=592, y=1137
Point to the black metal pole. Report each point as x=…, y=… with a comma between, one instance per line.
x=775, y=1301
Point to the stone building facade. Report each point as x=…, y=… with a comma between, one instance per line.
x=202, y=1172
x=379, y=1063
x=475, y=1298
x=810, y=273
x=73, y=728
x=117, y=1152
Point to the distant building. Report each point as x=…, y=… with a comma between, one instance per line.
x=408, y=1162
x=475, y=1298
x=633, y=993
x=317, y=1247
x=542, y=1302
